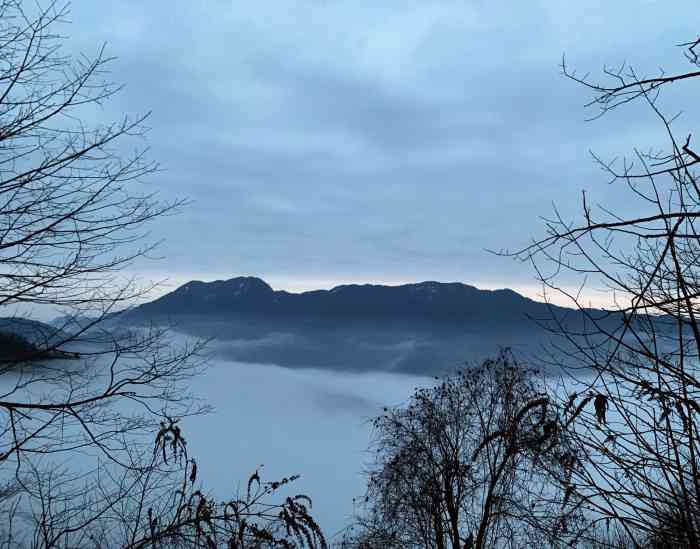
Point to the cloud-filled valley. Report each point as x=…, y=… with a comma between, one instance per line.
x=310, y=422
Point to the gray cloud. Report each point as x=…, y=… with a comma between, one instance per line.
x=372, y=139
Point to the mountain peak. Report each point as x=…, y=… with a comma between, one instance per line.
x=238, y=286
x=248, y=284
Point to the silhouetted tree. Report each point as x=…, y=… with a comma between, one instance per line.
x=466, y=463
x=633, y=406
x=91, y=452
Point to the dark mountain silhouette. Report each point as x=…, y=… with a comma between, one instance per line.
x=423, y=328
x=35, y=332
x=424, y=301
x=22, y=340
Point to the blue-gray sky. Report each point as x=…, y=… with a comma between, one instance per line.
x=327, y=141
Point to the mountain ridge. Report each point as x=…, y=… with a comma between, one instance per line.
x=420, y=328
x=252, y=295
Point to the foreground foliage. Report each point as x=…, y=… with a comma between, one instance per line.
x=91, y=451
x=635, y=415
x=472, y=462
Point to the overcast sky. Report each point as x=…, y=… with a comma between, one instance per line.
x=327, y=141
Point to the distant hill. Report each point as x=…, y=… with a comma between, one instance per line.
x=23, y=339
x=424, y=301
x=419, y=328
x=36, y=332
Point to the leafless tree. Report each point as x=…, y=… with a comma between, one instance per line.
x=91, y=451
x=633, y=399
x=466, y=464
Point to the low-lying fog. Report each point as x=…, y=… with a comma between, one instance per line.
x=313, y=422
x=309, y=422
